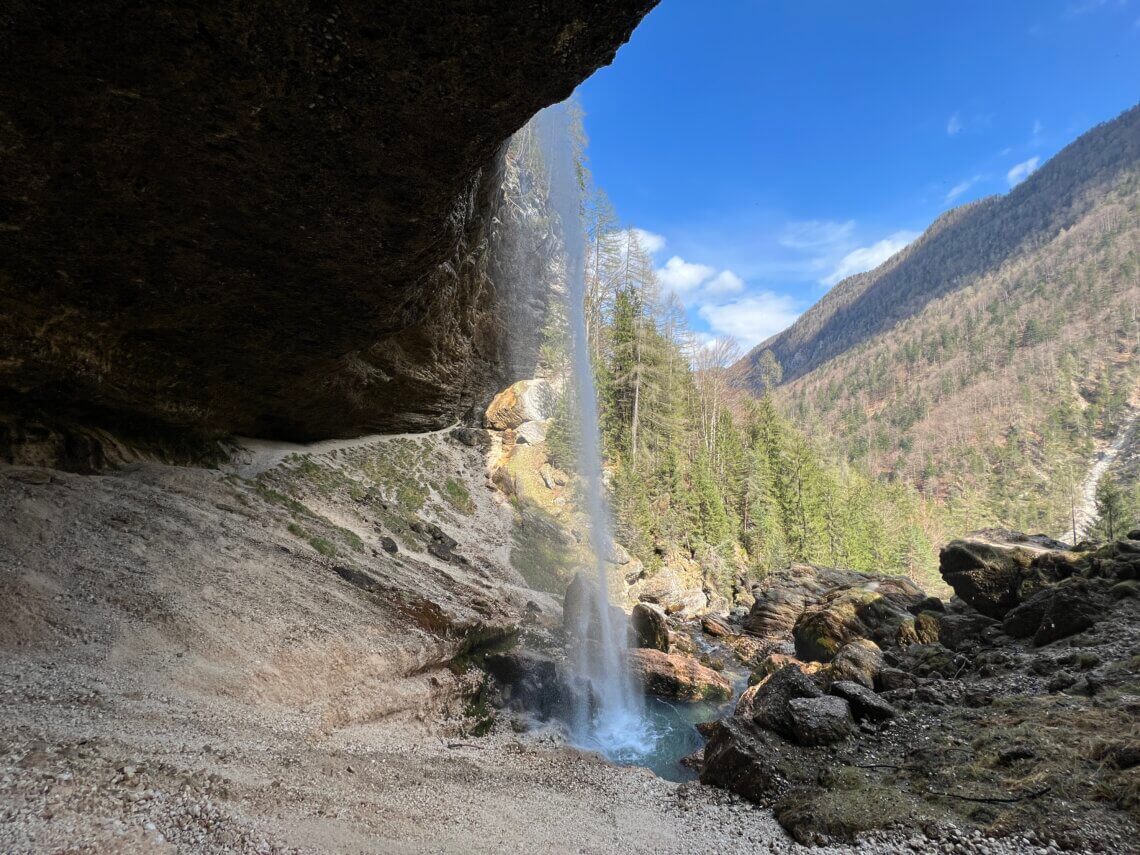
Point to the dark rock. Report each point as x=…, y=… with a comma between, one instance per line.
x=1057, y=611
x=389, y=545
x=876, y=610
x=865, y=704
x=472, y=437
x=962, y=630
x=746, y=760
x=1061, y=681
x=265, y=219
x=532, y=683
x=650, y=626
x=820, y=721
x=986, y=573
x=770, y=703
x=890, y=679
x=930, y=604
x=926, y=660
x=440, y=551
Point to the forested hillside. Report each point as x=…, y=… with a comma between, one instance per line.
x=699, y=471
x=960, y=247
x=1010, y=354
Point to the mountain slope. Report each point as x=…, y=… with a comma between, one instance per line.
x=960, y=246
x=989, y=362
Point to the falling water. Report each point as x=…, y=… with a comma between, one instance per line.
x=610, y=715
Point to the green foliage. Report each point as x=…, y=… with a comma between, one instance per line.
x=323, y=546
x=458, y=496
x=1115, y=509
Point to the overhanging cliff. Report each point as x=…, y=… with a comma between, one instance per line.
x=267, y=217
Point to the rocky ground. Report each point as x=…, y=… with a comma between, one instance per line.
x=293, y=652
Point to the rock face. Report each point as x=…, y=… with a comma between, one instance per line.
x=650, y=627
x=265, y=217
x=820, y=721
x=675, y=676
x=521, y=402
x=988, y=569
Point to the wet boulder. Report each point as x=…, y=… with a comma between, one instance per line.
x=876, y=610
x=1057, y=612
x=529, y=682
x=682, y=678
x=650, y=627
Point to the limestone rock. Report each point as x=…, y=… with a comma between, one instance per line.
x=715, y=626
x=820, y=721
x=521, y=402
x=875, y=610
x=1057, y=612
x=650, y=627
x=674, y=589
x=987, y=569
x=531, y=433
x=675, y=676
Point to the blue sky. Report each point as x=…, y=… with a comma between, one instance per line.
x=770, y=147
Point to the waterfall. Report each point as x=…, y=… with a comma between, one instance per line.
x=609, y=715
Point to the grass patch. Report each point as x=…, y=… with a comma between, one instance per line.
x=297, y=531
x=275, y=497
x=323, y=546
x=458, y=496
x=539, y=550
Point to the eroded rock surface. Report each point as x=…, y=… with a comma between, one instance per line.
x=265, y=217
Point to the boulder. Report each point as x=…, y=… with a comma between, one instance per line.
x=746, y=760
x=780, y=598
x=961, y=630
x=770, y=701
x=858, y=661
x=892, y=679
x=530, y=682
x=715, y=626
x=987, y=569
x=1057, y=611
x=820, y=721
x=932, y=660
x=674, y=589
x=650, y=627
x=865, y=704
x=671, y=675
x=875, y=610
x=521, y=402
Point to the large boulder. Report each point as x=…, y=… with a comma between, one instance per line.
x=677, y=589
x=865, y=704
x=987, y=569
x=780, y=598
x=682, y=678
x=650, y=627
x=521, y=402
x=876, y=609
x=858, y=661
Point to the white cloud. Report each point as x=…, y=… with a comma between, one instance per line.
x=816, y=234
x=725, y=282
x=680, y=276
x=651, y=242
x=752, y=318
x=960, y=188
x=869, y=257
x=1037, y=127
x=1022, y=171
x=954, y=124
